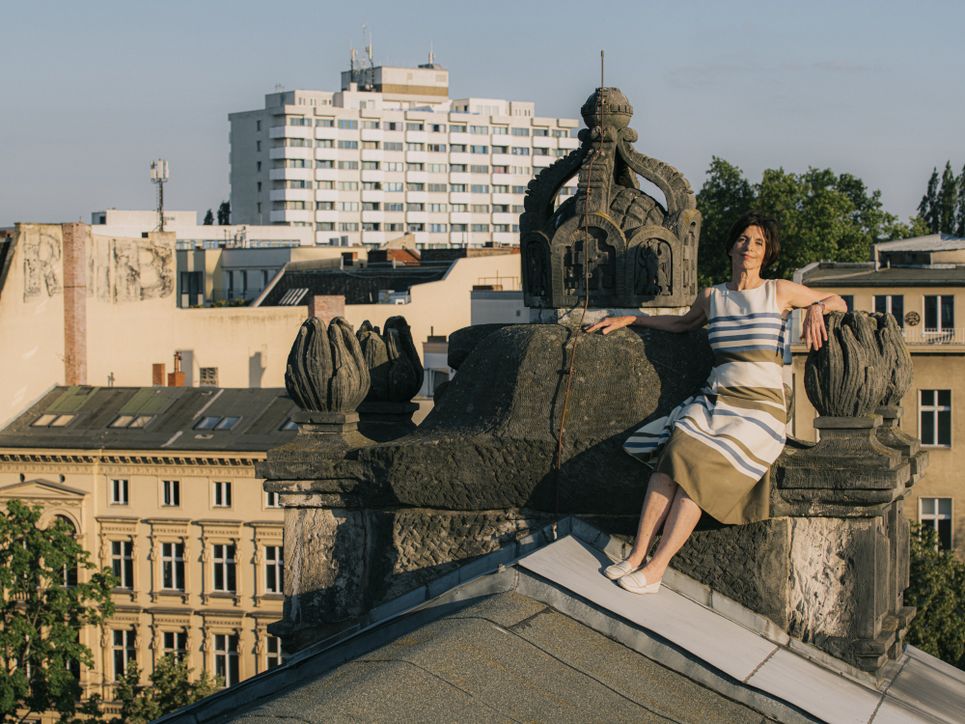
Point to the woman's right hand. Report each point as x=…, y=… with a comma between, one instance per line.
x=612, y=324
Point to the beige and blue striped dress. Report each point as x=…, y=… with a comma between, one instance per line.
x=719, y=444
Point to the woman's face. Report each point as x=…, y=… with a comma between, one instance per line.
x=749, y=249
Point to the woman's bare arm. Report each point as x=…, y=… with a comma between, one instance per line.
x=797, y=296
x=694, y=318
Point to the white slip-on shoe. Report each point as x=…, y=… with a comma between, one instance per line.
x=618, y=570
x=637, y=583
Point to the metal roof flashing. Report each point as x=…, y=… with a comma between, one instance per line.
x=687, y=628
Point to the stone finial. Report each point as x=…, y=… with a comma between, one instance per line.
x=376, y=359
x=627, y=248
x=895, y=358
x=405, y=368
x=846, y=378
x=326, y=370
x=392, y=359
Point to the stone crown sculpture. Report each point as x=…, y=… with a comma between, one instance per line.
x=634, y=252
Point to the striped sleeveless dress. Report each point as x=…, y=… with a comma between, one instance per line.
x=719, y=444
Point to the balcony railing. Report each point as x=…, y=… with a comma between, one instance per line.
x=923, y=335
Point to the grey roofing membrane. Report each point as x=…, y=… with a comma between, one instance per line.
x=932, y=242
x=546, y=637
x=172, y=416
x=850, y=275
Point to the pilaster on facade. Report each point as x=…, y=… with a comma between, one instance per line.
x=228, y=623
x=120, y=529
x=219, y=532
x=175, y=531
x=265, y=534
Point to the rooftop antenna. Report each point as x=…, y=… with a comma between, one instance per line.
x=601, y=68
x=159, y=176
x=432, y=56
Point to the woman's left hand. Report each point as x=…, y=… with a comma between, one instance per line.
x=814, y=334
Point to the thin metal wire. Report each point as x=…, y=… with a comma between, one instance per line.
x=558, y=458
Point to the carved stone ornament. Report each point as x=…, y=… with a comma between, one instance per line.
x=632, y=251
x=895, y=358
x=326, y=370
x=847, y=377
x=392, y=360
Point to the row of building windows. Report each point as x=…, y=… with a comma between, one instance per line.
x=414, y=206
x=417, y=146
x=416, y=227
x=399, y=186
x=383, y=186
x=119, y=494
x=418, y=206
x=223, y=567
x=301, y=121
x=225, y=652
x=939, y=309
x=398, y=166
x=429, y=148
x=392, y=166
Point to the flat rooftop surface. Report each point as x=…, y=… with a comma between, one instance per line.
x=507, y=658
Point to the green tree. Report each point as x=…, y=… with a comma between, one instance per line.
x=928, y=206
x=725, y=195
x=170, y=687
x=224, y=213
x=937, y=589
x=947, y=200
x=915, y=226
x=823, y=216
x=43, y=608
x=208, y=218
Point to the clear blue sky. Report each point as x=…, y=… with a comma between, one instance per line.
x=94, y=90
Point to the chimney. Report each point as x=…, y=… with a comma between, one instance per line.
x=176, y=378
x=326, y=307
x=75, y=303
x=157, y=374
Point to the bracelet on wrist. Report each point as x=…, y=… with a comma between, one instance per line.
x=824, y=307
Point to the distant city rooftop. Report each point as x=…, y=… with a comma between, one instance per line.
x=154, y=418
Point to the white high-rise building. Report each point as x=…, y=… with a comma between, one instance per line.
x=391, y=153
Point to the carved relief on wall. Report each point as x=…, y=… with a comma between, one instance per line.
x=118, y=270
x=651, y=262
x=42, y=266
x=130, y=270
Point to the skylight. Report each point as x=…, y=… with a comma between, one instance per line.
x=131, y=421
x=216, y=422
x=52, y=420
x=207, y=423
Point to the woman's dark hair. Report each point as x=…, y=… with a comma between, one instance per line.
x=772, y=235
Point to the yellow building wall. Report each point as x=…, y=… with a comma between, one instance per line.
x=133, y=320
x=81, y=493
x=32, y=319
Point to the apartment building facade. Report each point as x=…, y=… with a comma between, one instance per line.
x=921, y=282
x=390, y=153
x=159, y=486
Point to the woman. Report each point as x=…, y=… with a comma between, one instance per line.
x=716, y=447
